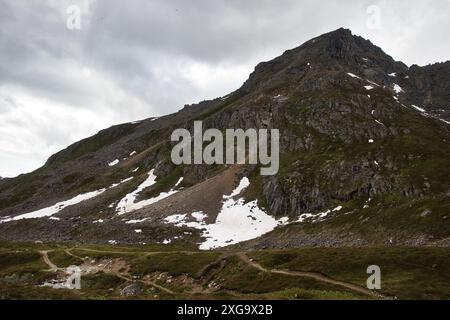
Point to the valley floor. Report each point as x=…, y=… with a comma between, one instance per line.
x=39, y=271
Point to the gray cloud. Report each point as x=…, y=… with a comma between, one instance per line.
x=137, y=59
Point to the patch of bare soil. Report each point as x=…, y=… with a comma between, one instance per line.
x=113, y=266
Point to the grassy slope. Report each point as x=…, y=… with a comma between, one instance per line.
x=420, y=158
x=406, y=272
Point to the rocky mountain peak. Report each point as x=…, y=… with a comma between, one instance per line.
x=332, y=54
x=363, y=149
x=340, y=43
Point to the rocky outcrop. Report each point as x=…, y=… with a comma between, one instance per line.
x=429, y=88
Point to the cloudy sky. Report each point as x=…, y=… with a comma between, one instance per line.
x=135, y=59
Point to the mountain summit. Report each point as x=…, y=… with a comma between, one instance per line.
x=364, y=147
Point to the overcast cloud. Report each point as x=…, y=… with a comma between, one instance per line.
x=137, y=59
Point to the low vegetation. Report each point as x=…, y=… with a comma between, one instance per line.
x=171, y=272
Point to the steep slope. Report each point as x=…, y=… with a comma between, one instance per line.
x=359, y=133
x=429, y=87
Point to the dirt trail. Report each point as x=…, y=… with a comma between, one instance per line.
x=69, y=252
x=55, y=268
x=219, y=263
x=48, y=262
x=129, y=252
x=313, y=275
x=147, y=282
x=100, y=251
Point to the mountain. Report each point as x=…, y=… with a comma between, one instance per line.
x=364, y=158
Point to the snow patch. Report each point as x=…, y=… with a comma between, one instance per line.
x=127, y=204
x=445, y=121
x=317, y=216
x=199, y=216
x=52, y=210
x=123, y=181
x=244, y=183
x=175, y=219
x=280, y=97
x=179, y=181
x=397, y=88
x=368, y=88
x=371, y=82
x=418, y=108
x=353, y=75
x=236, y=222
x=366, y=204
x=136, y=221
x=113, y=163
x=393, y=74
x=153, y=200
x=428, y=115
x=283, y=221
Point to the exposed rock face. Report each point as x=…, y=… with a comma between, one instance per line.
x=348, y=135
x=429, y=87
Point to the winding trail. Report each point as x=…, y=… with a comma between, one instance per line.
x=144, y=253
x=55, y=268
x=147, y=282
x=220, y=263
x=316, y=276
x=69, y=252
